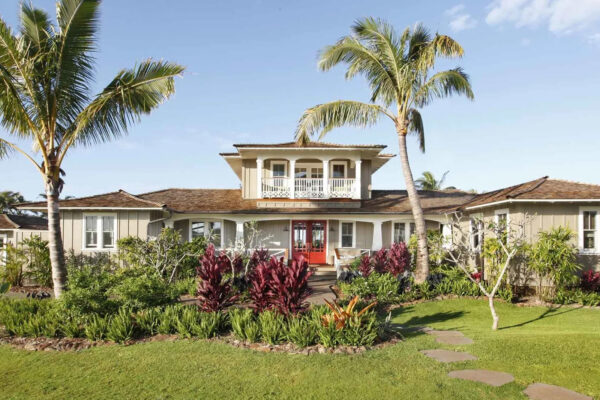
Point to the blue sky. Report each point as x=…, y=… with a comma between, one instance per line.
x=251, y=72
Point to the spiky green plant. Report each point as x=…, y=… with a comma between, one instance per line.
x=399, y=70
x=46, y=77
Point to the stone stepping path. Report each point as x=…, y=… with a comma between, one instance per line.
x=492, y=378
x=448, y=356
x=542, y=391
x=450, y=337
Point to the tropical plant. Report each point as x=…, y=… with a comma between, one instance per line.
x=340, y=316
x=590, y=281
x=428, y=181
x=8, y=199
x=214, y=292
x=46, y=77
x=397, y=68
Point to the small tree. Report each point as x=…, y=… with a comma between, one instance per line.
x=554, y=258
x=511, y=241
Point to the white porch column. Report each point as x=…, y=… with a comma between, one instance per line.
x=259, y=174
x=326, y=178
x=357, y=179
x=292, y=180
x=239, y=231
x=377, y=238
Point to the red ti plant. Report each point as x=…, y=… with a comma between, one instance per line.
x=590, y=281
x=260, y=285
x=258, y=256
x=289, y=286
x=214, y=294
x=398, y=259
x=380, y=261
x=366, y=266
x=476, y=276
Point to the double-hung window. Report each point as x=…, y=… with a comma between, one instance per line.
x=476, y=228
x=399, y=232
x=99, y=232
x=347, y=234
x=589, y=230
x=210, y=230
x=502, y=224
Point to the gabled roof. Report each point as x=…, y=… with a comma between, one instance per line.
x=120, y=199
x=9, y=221
x=542, y=189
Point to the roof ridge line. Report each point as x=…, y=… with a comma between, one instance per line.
x=140, y=199
x=10, y=221
x=536, y=184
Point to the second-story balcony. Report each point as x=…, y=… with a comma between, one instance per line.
x=308, y=188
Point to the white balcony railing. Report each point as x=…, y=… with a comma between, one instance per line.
x=308, y=188
x=341, y=187
x=277, y=187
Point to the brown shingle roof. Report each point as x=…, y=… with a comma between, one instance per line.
x=230, y=200
x=23, y=222
x=540, y=189
x=119, y=199
x=312, y=145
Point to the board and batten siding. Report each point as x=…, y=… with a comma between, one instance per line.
x=364, y=235
x=129, y=223
x=249, y=179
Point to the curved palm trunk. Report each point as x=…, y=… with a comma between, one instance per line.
x=422, y=253
x=57, y=255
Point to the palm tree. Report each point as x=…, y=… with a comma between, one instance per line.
x=8, y=199
x=397, y=69
x=46, y=74
x=427, y=181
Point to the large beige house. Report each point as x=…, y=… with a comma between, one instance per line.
x=313, y=199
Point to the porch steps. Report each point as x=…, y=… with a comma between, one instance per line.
x=323, y=271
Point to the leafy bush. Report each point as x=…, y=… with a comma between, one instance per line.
x=554, y=257
x=365, y=266
x=71, y=325
x=30, y=260
x=381, y=287
x=12, y=269
x=301, y=331
x=240, y=318
x=570, y=296
x=272, y=326
x=347, y=326
x=96, y=327
x=120, y=326
x=398, y=259
x=139, y=288
x=88, y=288
x=214, y=292
x=148, y=321
x=590, y=281
x=169, y=316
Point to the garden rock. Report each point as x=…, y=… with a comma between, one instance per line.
x=447, y=356
x=492, y=378
x=542, y=391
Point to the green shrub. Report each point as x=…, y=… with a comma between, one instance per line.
x=71, y=325
x=506, y=294
x=38, y=266
x=185, y=286
x=301, y=331
x=87, y=292
x=272, y=326
x=187, y=321
x=359, y=330
x=139, y=288
x=148, y=321
x=12, y=269
x=120, y=326
x=328, y=335
x=239, y=318
x=381, y=287
x=168, y=319
x=209, y=325
x=570, y=296
x=96, y=327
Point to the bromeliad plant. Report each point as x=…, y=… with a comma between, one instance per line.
x=340, y=316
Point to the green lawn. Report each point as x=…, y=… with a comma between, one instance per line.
x=560, y=347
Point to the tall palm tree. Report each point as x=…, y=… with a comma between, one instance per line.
x=428, y=181
x=46, y=74
x=398, y=70
x=8, y=199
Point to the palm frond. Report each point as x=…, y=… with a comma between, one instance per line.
x=419, y=40
x=415, y=127
x=446, y=46
x=36, y=28
x=14, y=115
x=5, y=149
x=444, y=84
x=131, y=94
x=325, y=117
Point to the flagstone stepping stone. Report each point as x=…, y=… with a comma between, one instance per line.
x=454, y=340
x=407, y=329
x=448, y=356
x=444, y=333
x=542, y=391
x=492, y=378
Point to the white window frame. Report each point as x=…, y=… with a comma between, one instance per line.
x=285, y=168
x=479, y=218
x=353, y=234
x=207, y=223
x=99, y=232
x=595, y=250
x=406, y=231
x=332, y=163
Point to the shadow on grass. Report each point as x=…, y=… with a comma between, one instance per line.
x=548, y=313
x=412, y=325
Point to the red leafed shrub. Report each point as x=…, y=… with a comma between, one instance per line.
x=398, y=259
x=258, y=256
x=590, y=281
x=274, y=285
x=476, y=276
x=380, y=260
x=366, y=266
x=214, y=294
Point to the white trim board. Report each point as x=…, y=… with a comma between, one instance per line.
x=510, y=201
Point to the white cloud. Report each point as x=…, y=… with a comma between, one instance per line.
x=560, y=16
x=460, y=20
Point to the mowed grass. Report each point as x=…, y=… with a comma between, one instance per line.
x=559, y=347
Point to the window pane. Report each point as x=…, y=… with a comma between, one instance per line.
x=338, y=171
x=589, y=220
x=347, y=234
x=413, y=228
x=91, y=231
x=316, y=173
x=278, y=169
x=197, y=229
x=589, y=240
x=399, y=232
x=215, y=231
x=91, y=239
x=108, y=231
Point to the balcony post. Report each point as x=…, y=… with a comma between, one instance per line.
x=326, y=178
x=259, y=175
x=377, y=236
x=292, y=181
x=357, y=179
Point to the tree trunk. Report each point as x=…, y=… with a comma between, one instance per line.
x=493, y=311
x=57, y=253
x=422, y=253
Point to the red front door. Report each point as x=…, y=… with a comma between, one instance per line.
x=309, y=239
